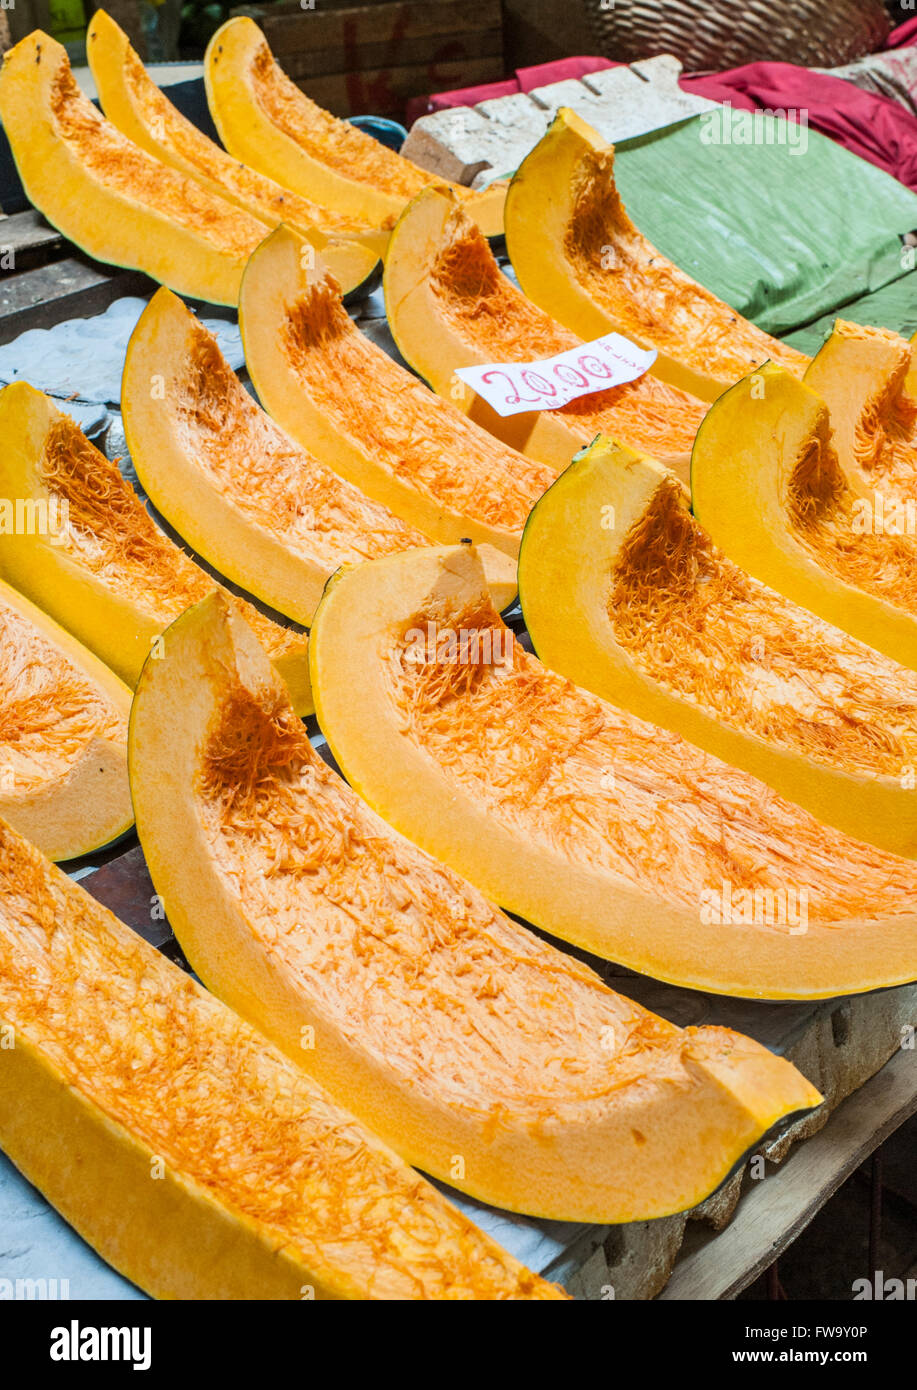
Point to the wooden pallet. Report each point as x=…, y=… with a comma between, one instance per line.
x=44, y=279
x=841, y=1045
x=773, y=1211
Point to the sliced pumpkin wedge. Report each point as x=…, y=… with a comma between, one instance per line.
x=190, y=1153
x=346, y=400
x=448, y=1029
x=132, y=101
x=625, y=593
x=245, y=496
x=580, y=258
x=109, y=196
x=767, y=485
x=265, y=120
x=862, y=376
x=449, y=306
x=259, y=508
x=63, y=735
x=106, y=572
x=606, y=831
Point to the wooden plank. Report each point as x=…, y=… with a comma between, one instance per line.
x=27, y=240
x=69, y=288
x=366, y=57
x=292, y=29
x=125, y=887
x=385, y=92
x=772, y=1211
x=839, y=1044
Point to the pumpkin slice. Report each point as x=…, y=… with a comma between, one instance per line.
x=450, y=306
x=266, y=121
x=580, y=258
x=108, y=574
x=862, y=376
x=624, y=593
x=191, y=1154
x=63, y=735
x=132, y=101
x=363, y=415
x=258, y=507
x=768, y=487
x=606, y=831
x=446, y=1028
x=109, y=196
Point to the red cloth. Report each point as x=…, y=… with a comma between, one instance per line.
x=559, y=70
x=876, y=128
x=904, y=35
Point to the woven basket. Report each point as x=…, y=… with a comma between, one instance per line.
x=717, y=34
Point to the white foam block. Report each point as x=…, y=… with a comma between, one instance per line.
x=471, y=145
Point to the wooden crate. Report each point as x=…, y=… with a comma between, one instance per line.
x=857, y=1050
x=369, y=58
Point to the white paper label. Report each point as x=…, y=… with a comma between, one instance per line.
x=514, y=387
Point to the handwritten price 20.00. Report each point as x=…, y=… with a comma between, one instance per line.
x=514, y=387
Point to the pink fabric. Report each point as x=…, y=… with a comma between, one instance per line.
x=873, y=127
x=559, y=71
x=904, y=35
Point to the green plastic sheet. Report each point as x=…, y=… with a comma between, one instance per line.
x=894, y=306
x=785, y=233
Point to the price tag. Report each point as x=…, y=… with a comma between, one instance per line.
x=514, y=387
